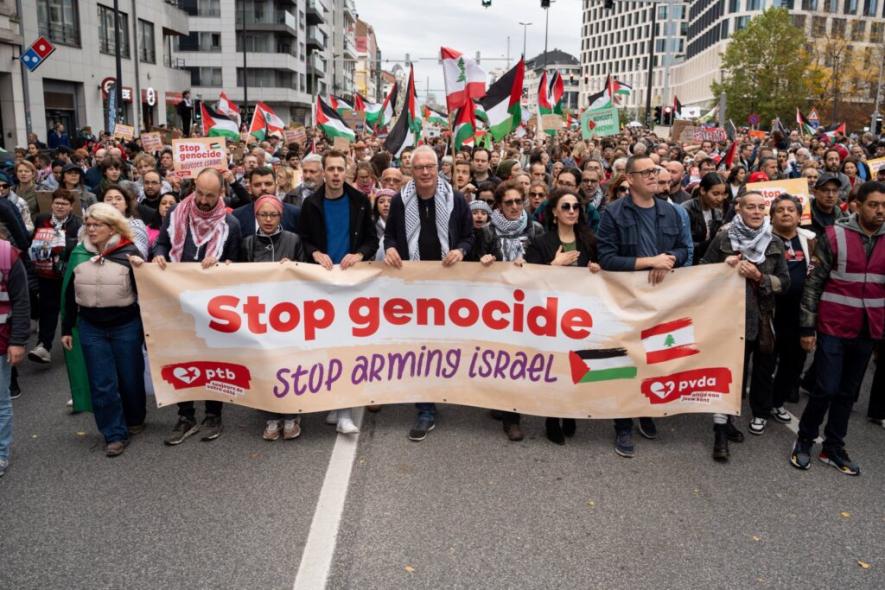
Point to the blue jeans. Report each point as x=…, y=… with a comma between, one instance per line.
x=5, y=409
x=426, y=410
x=840, y=366
x=115, y=365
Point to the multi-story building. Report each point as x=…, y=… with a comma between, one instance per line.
x=568, y=67
x=283, y=44
x=367, y=65
x=69, y=87
x=344, y=53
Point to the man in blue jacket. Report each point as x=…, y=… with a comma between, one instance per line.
x=263, y=181
x=640, y=232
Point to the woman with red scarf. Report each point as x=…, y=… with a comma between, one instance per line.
x=102, y=302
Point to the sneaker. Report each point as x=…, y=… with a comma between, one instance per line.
x=876, y=421
x=291, y=428
x=69, y=403
x=271, y=430
x=15, y=391
x=136, y=428
x=39, y=354
x=800, y=458
x=839, y=459
x=624, y=444
x=757, y=425
x=647, y=428
x=4, y=465
x=184, y=428
x=116, y=448
x=332, y=418
x=781, y=415
x=422, y=427
x=346, y=426
x=213, y=428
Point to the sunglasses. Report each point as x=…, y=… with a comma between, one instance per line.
x=4, y=185
x=538, y=194
x=570, y=207
x=512, y=202
x=623, y=189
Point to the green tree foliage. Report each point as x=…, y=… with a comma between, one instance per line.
x=763, y=68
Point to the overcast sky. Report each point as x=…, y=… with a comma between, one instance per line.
x=420, y=27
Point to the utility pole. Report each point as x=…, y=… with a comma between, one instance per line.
x=669, y=39
x=135, y=57
x=546, y=29
x=651, y=66
x=26, y=91
x=524, y=30
x=875, y=116
x=118, y=41
x=245, y=71
x=379, y=92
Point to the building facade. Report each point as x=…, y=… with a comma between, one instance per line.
x=344, y=54
x=367, y=64
x=69, y=87
x=568, y=67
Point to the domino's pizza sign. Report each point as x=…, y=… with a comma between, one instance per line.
x=37, y=53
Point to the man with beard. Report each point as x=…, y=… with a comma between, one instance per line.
x=263, y=181
x=152, y=189
x=832, y=164
x=311, y=180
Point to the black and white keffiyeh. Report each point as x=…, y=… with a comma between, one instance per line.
x=444, y=203
x=750, y=242
x=510, y=233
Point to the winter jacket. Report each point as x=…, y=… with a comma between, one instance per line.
x=618, y=236
x=261, y=248
x=698, y=226
x=312, y=224
x=543, y=249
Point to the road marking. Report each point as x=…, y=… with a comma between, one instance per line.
x=316, y=559
x=793, y=426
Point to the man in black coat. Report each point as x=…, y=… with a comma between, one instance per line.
x=263, y=181
x=415, y=231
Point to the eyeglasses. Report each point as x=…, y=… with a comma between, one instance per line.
x=623, y=189
x=647, y=173
x=512, y=202
x=425, y=168
x=538, y=194
x=268, y=215
x=570, y=206
x=589, y=180
x=4, y=186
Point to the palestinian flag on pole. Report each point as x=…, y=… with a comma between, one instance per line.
x=589, y=366
x=502, y=102
x=464, y=79
x=372, y=110
x=434, y=117
x=386, y=114
x=217, y=125
x=465, y=125
x=804, y=127
x=407, y=127
x=228, y=108
x=677, y=107
x=618, y=91
x=265, y=122
x=480, y=112
x=831, y=131
x=669, y=341
x=359, y=105
x=544, y=106
x=331, y=122
x=339, y=104
x=601, y=99
x=557, y=89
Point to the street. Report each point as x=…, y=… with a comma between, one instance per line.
x=463, y=509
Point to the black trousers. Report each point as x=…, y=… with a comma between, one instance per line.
x=790, y=359
x=761, y=380
x=876, y=409
x=187, y=409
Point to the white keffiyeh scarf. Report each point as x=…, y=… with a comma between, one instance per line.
x=444, y=203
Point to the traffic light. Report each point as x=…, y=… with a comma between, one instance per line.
x=486, y=3
x=658, y=116
x=545, y=3
x=668, y=115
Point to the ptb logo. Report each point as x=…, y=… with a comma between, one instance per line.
x=228, y=378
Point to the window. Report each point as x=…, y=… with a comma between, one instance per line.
x=107, y=35
x=838, y=28
x=876, y=30
x=818, y=26
x=809, y=4
x=147, y=51
x=858, y=29
x=59, y=21
x=850, y=7
x=205, y=76
x=201, y=7
x=870, y=7
x=798, y=21
x=754, y=4
x=791, y=4
x=831, y=6
x=202, y=41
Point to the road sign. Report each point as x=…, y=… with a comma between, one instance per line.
x=37, y=53
x=753, y=119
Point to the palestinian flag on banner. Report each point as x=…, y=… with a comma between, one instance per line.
x=669, y=341
x=339, y=104
x=434, y=117
x=385, y=116
x=589, y=366
x=465, y=125
x=217, y=125
x=331, y=122
x=408, y=125
x=265, y=122
x=557, y=89
x=227, y=108
x=463, y=77
x=802, y=121
x=502, y=102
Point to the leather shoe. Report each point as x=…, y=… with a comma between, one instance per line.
x=568, y=427
x=554, y=431
x=514, y=432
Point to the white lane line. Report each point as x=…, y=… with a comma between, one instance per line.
x=316, y=559
x=793, y=426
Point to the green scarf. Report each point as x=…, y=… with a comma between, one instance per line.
x=76, y=364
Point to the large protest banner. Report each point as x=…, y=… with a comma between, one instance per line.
x=548, y=341
x=190, y=156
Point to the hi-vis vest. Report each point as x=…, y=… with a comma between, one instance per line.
x=8, y=256
x=856, y=288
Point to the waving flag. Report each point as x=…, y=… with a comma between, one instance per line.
x=464, y=78
x=502, y=103
x=265, y=122
x=407, y=127
x=217, y=125
x=434, y=117
x=386, y=114
x=339, y=104
x=465, y=125
x=331, y=122
x=227, y=108
x=557, y=89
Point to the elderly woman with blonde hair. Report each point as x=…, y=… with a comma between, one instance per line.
x=101, y=301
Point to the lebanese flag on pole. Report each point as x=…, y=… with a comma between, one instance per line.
x=463, y=77
x=669, y=341
x=227, y=108
x=265, y=122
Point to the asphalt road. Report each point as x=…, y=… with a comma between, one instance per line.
x=463, y=509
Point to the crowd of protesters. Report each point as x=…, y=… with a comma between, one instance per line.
x=77, y=219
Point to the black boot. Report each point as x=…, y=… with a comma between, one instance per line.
x=734, y=435
x=720, y=443
x=554, y=431
x=568, y=427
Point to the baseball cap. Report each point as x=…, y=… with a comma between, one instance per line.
x=759, y=177
x=825, y=178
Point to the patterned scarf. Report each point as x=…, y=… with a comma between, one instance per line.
x=510, y=233
x=206, y=227
x=750, y=242
x=444, y=202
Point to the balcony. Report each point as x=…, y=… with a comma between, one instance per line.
x=316, y=12
x=315, y=38
x=316, y=66
x=278, y=20
x=349, y=47
x=350, y=9
x=176, y=20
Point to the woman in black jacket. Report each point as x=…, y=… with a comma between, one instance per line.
x=486, y=248
x=705, y=212
x=569, y=242
x=271, y=243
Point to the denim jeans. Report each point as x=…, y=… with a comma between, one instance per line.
x=5, y=409
x=426, y=410
x=840, y=364
x=115, y=365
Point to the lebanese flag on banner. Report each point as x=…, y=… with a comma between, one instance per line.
x=669, y=341
x=228, y=108
x=463, y=77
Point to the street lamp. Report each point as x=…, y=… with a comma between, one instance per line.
x=524, y=29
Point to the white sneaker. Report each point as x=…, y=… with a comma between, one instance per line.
x=271, y=430
x=757, y=425
x=346, y=426
x=332, y=417
x=878, y=422
x=39, y=354
x=70, y=403
x=781, y=415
